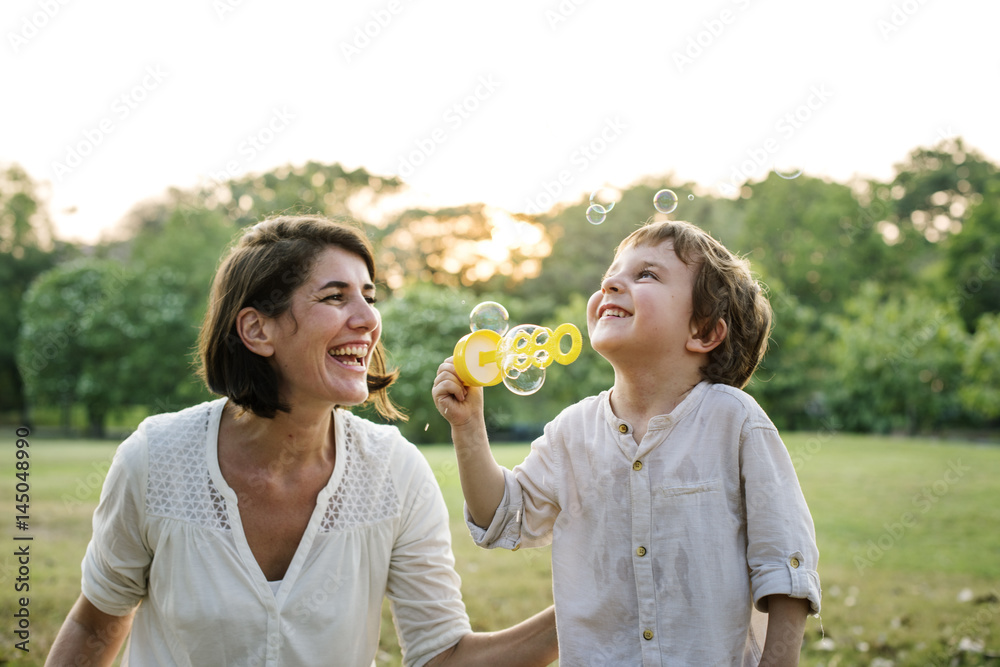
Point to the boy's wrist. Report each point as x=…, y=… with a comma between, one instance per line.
x=469, y=434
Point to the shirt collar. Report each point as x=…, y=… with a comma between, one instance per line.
x=689, y=403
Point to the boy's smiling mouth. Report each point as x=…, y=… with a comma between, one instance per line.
x=612, y=311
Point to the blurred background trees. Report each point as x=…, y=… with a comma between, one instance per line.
x=886, y=295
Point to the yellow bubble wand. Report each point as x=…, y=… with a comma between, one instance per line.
x=518, y=357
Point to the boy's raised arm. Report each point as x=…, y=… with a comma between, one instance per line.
x=482, y=478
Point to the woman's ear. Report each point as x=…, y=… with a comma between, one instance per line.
x=255, y=330
x=710, y=341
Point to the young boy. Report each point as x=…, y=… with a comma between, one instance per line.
x=670, y=501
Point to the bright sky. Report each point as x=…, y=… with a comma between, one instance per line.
x=114, y=101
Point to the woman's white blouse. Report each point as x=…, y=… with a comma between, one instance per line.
x=168, y=535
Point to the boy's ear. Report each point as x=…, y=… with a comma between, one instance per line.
x=710, y=341
x=255, y=330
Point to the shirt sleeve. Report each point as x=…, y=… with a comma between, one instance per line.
x=781, y=539
x=423, y=588
x=529, y=508
x=116, y=564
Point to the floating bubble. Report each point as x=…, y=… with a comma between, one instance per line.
x=596, y=214
x=489, y=315
x=605, y=198
x=527, y=382
x=690, y=197
x=788, y=177
x=665, y=201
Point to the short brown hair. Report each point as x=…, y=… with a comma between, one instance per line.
x=723, y=289
x=265, y=266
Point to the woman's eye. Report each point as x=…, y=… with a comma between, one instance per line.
x=333, y=297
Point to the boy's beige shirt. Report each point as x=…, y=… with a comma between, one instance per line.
x=660, y=550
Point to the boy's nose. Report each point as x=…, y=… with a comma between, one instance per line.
x=610, y=285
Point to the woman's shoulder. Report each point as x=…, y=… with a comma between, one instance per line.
x=195, y=415
x=175, y=428
x=370, y=439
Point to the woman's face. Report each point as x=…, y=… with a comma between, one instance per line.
x=324, y=342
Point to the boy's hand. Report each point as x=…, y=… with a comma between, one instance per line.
x=457, y=402
x=482, y=479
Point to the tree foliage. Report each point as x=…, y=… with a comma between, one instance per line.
x=26, y=250
x=99, y=335
x=886, y=294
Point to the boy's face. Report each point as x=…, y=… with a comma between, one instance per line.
x=643, y=309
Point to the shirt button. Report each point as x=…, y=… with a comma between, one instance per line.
x=637, y=465
x=623, y=428
x=794, y=563
x=647, y=634
x=640, y=552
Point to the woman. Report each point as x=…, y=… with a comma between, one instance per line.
x=265, y=527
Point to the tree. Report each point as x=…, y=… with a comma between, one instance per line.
x=104, y=337
x=934, y=188
x=980, y=391
x=896, y=362
x=473, y=246
x=58, y=356
x=801, y=233
x=26, y=250
x=791, y=381
x=972, y=261
x=323, y=189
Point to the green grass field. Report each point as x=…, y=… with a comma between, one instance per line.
x=908, y=529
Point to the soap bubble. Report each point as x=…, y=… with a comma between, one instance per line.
x=517, y=343
x=489, y=315
x=665, y=201
x=596, y=214
x=526, y=382
x=788, y=177
x=522, y=372
x=540, y=337
x=605, y=198
x=690, y=197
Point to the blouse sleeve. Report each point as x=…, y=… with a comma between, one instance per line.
x=781, y=549
x=116, y=564
x=423, y=588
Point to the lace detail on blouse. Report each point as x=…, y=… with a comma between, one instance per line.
x=366, y=494
x=179, y=485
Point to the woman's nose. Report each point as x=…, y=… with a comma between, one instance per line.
x=366, y=317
